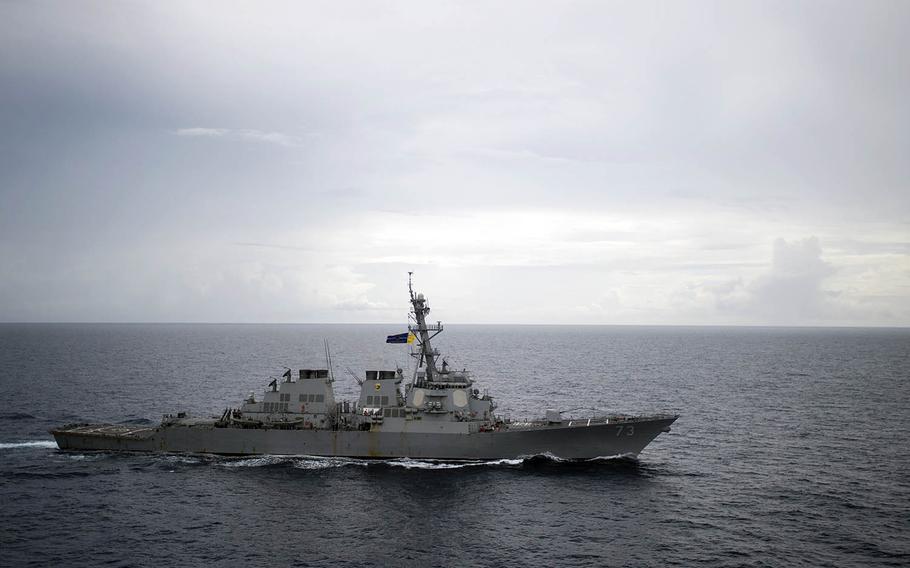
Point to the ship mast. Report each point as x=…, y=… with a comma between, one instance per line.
x=422, y=331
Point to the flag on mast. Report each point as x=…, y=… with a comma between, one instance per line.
x=400, y=338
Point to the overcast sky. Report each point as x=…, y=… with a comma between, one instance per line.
x=532, y=162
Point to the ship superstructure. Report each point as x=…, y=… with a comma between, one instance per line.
x=436, y=414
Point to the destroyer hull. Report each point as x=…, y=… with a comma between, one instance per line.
x=567, y=441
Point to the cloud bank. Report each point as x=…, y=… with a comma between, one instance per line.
x=578, y=162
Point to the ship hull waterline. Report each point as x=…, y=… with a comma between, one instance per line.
x=575, y=442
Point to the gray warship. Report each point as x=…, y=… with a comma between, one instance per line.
x=436, y=414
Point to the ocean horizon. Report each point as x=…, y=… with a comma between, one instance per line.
x=786, y=450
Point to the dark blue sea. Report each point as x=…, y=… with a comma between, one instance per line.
x=791, y=450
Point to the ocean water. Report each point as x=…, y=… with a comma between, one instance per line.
x=791, y=450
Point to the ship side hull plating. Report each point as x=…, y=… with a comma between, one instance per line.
x=562, y=441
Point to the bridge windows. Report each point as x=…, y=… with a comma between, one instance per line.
x=274, y=407
x=312, y=398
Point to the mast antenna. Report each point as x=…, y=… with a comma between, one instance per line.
x=328, y=360
x=423, y=333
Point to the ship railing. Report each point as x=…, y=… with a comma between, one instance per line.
x=417, y=328
x=571, y=421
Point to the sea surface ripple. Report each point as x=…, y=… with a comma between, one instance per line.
x=791, y=451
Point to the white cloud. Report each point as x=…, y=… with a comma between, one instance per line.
x=211, y=132
x=798, y=288
x=360, y=304
x=791, y=291
x=279, y=138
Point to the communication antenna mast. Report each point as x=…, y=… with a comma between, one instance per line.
x=328, y=360
x=423, y=333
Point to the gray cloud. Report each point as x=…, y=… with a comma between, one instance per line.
x=635, y=156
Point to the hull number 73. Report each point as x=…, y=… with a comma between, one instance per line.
x=626, y=429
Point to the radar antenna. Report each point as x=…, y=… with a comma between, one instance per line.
x=423, y=333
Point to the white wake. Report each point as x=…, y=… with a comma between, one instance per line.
x=34, y=444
